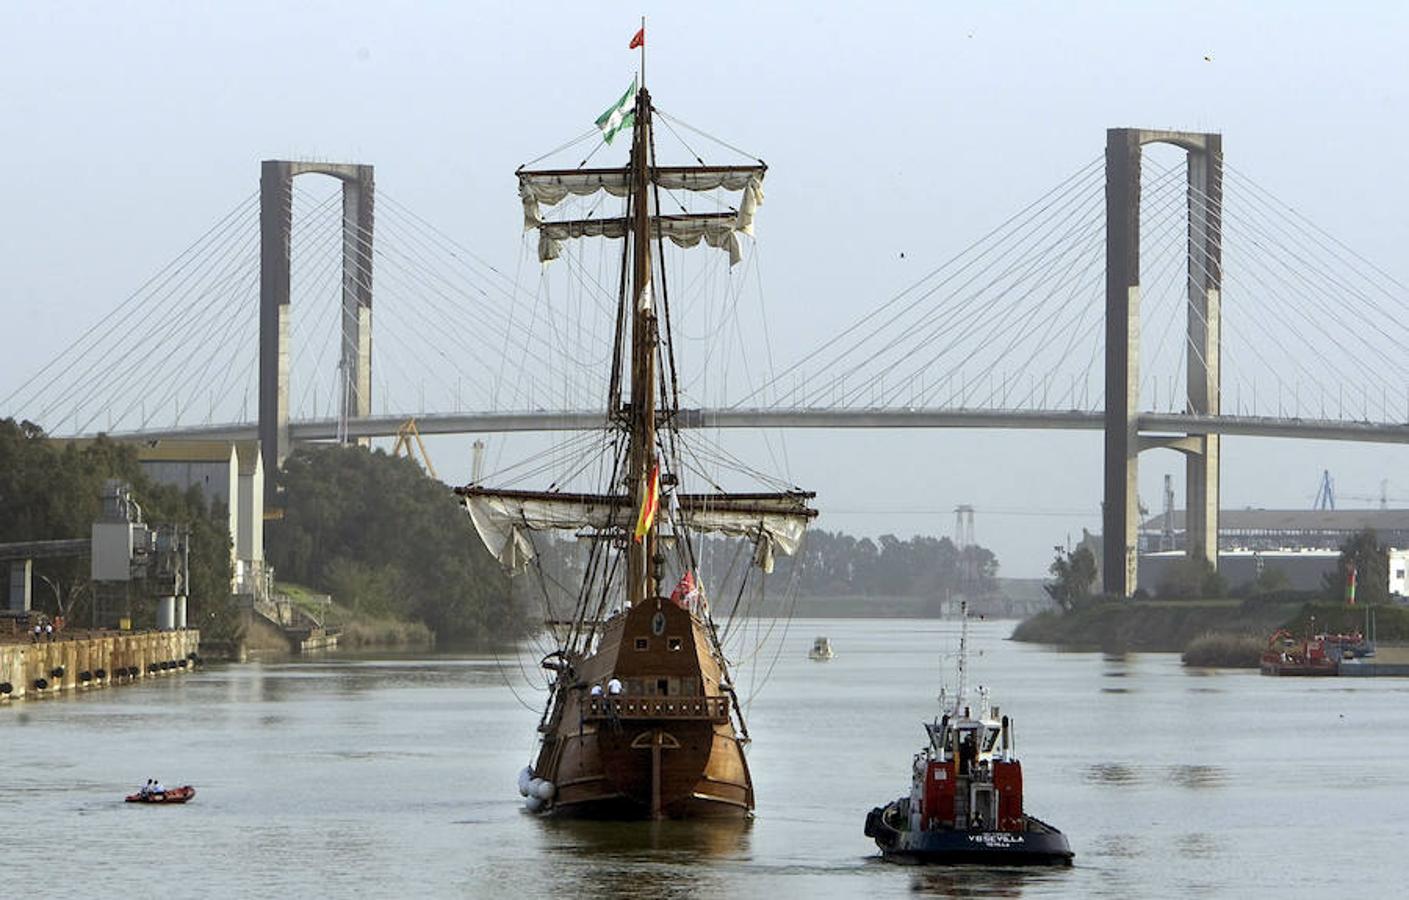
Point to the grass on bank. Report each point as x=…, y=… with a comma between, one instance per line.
x=356, y=629
x=1225, y=651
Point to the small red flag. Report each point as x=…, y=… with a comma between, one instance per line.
x=638, y=40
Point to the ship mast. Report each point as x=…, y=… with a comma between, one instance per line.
x=642, y=577
x=628, y=512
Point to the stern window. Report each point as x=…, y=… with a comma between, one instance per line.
x=643, y=643
x=673, y=643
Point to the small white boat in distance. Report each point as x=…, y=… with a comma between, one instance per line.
x=821, y=649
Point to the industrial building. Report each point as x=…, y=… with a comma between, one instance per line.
x=1304, y=544
x=230, y=473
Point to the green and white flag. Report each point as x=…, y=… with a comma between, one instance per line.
x=621, y=115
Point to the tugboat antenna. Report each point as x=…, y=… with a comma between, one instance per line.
x=961, y=694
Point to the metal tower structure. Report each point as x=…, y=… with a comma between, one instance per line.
x=964, y=526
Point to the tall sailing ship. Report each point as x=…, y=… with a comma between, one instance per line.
x=642, y=718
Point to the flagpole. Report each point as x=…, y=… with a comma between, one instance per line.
x=643, y=51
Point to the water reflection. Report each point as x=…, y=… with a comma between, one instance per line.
x=975, y=881
x=1121, y=846
x=1198, y=776
x=1197, y=845
x=1112, y=773
x=697, y=841
x=646, y=859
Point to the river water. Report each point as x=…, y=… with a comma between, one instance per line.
x=395, y=777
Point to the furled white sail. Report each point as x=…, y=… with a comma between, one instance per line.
x=539, y=189
x=776, y=526
x=505, y=519
x=719, y=230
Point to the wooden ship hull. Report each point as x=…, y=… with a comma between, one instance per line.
x=666, y=746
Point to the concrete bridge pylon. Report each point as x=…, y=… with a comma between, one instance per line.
x=1123, y=441
x=275, y=269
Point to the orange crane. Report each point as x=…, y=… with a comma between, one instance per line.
x=407, y=433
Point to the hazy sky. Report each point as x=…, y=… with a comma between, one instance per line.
x=128, y=127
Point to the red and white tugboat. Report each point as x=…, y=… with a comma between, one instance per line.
x=966, y=794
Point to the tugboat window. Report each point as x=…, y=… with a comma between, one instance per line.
x=663, y=687
x=673, y=643
x=643, y=643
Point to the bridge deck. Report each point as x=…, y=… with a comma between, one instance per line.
x=584, y=420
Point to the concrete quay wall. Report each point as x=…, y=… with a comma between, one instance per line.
x=78, y=663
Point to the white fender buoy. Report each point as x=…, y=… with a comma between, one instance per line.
x=525, y=778
x=532, y=804
x=543, y=790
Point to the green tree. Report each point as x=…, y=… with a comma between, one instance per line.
x=1270, y=580
x=1190, y=578
x=833, y=563
x=382, y=537
x=1371, y=561
x=1074, y=573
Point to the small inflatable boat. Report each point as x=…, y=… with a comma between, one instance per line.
x=174, y=795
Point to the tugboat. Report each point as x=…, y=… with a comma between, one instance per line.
x=821, y=650
x=965, y=804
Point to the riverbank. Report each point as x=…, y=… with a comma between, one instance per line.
x=1013, y=598
x=1222, y=633
x=1163, y=626
x=300, y=620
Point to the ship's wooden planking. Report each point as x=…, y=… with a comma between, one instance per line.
x=666, y=747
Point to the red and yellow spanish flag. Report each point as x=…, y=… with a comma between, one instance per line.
x=649, y=501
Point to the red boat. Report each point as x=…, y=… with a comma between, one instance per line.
x=1319, y=655
x=174, y=795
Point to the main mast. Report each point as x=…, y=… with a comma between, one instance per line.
x=642, y=576
x=626, y=513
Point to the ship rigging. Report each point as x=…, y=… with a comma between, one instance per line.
x=642, y=718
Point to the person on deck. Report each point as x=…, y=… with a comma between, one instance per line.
x=146, y=789
x=49, y=631
x=596, y=690
x=157, y=787
x=38, y=630
x=614, y=686
x=968, y=753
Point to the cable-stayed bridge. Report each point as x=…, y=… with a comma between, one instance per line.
x=1162, y=297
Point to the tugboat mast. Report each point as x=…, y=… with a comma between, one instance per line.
x=961, y=692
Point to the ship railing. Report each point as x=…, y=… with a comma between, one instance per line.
x=711, y=709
